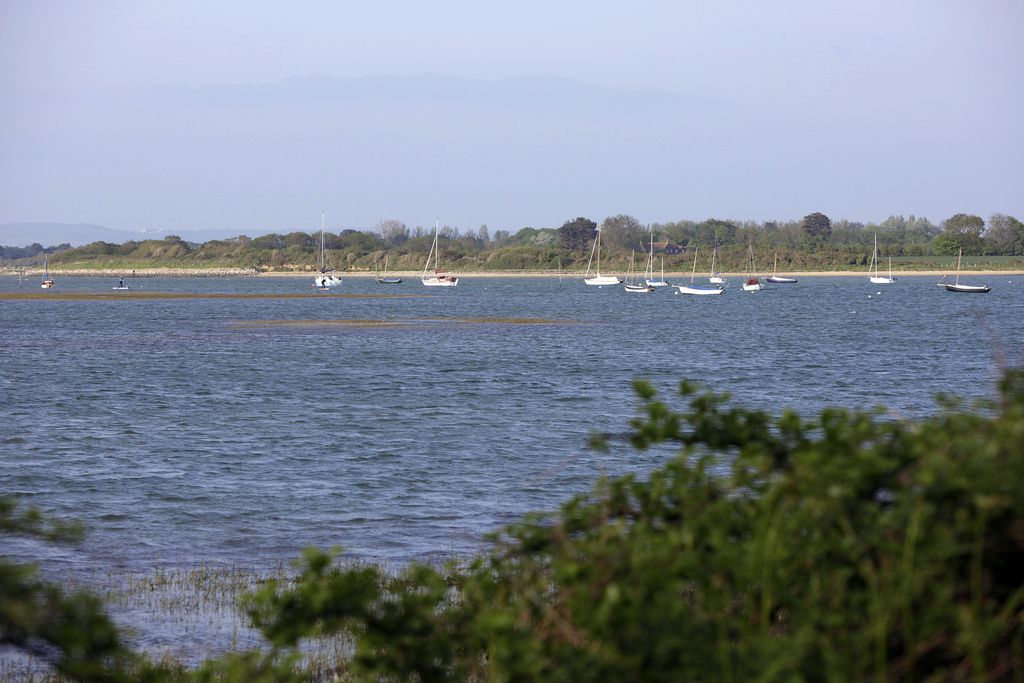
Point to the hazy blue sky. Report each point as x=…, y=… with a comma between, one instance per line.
x=249, y=115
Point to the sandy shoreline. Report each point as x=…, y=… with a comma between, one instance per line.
x=413, y=275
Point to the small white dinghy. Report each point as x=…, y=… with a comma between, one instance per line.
x=694, y=289
x=779, y=279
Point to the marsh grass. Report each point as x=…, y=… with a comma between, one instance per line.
x=181, y=616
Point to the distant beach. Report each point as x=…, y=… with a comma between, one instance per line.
x=249, y=272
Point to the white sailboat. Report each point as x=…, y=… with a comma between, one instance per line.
x=778, y=279
x=875, y=278
x=649, y=273
x=439, y=277
x=325, y=279
x=47, y=282
x=694, y=289
x=597, y=279
x=752, y=284
x=716, y=277
x=965, y=289
x=633, y=283
x=383, y=278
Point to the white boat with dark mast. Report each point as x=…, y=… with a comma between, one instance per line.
x=778, y=279
x=752, y=284
x=325, y=278
x=598, y=280
x=696, y=290
x=965, y=289
x=875, y=278
x=439, y=277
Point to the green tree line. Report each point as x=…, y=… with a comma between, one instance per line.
x=846, y=546
x=813, y=242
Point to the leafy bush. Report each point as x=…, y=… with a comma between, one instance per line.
x=846, y=547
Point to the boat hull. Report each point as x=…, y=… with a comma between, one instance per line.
x=752, y=285
x=779, y=280
x=700, y=291
x=326, y=281
x=440, y=281
x=882, y=280
x=389, y=281
x=968, y=289
x=46, y=284
x=602, y=280
x=639, y=289
x=657, y=283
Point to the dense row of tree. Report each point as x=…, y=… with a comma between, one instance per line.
x=31, y=251
x=813, y=241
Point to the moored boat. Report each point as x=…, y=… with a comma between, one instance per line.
x=325, y=278
x=439, y=277
x=597, y=279
x=697, y=290
x=964, y=289
x=776, y=279
x=752, y=284
x=47, y=282
x=876, y=278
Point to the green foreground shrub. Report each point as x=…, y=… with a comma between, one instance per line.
x=842, y=548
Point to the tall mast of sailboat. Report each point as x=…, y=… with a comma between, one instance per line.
x=650, y=256
x=322, y=243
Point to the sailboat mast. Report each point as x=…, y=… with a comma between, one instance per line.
x=874, y=256
x=323, y=258
x=693, y=271
x=650, y=257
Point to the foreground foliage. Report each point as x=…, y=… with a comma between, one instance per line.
x=845, y=547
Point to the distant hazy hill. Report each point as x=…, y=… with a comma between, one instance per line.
x=77, y=234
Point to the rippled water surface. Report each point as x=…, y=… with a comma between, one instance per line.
x=180, y=433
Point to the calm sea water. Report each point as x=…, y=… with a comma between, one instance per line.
x=179, y=435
